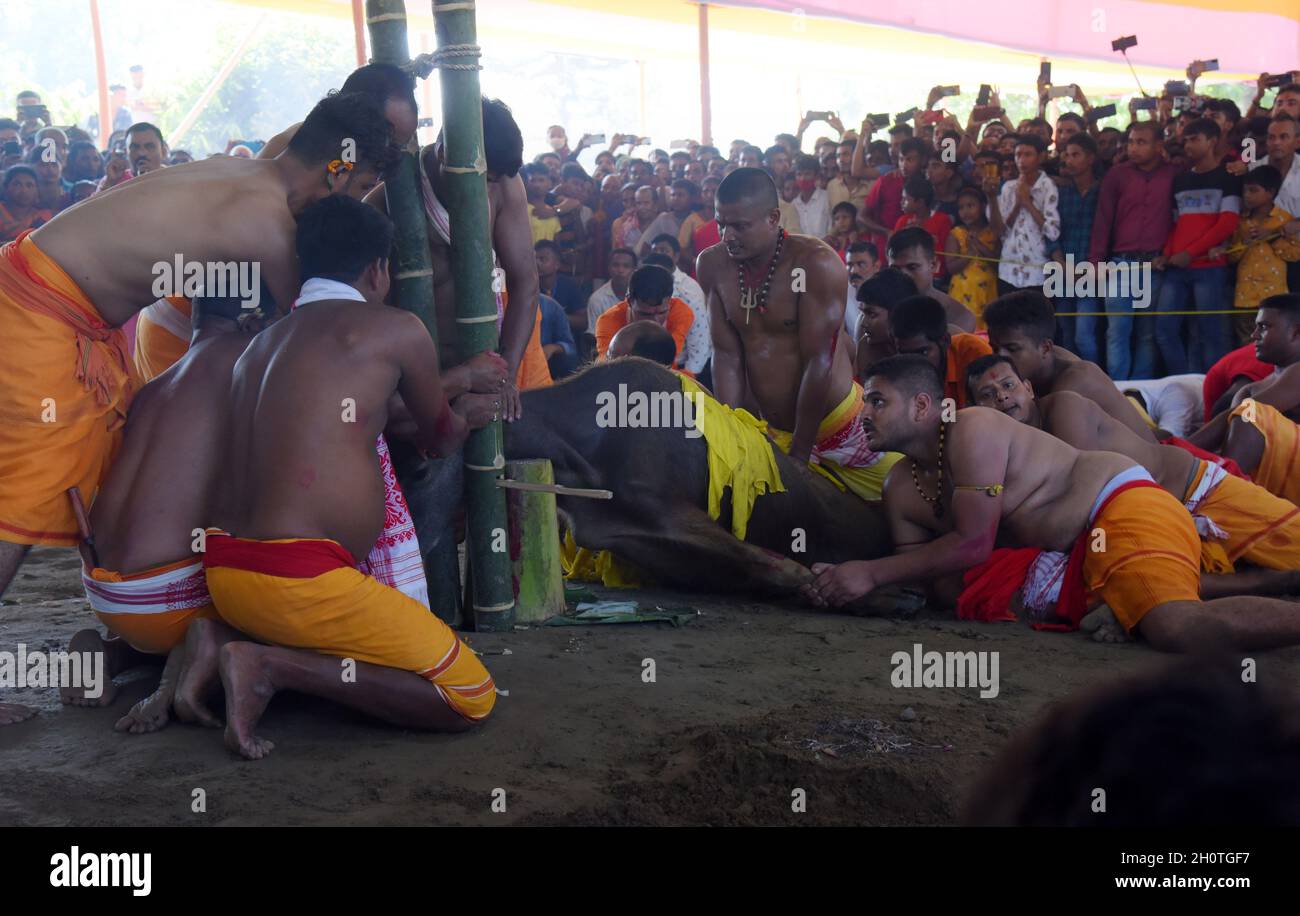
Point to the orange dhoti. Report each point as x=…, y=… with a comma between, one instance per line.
x=1141, y=549
x=162, y=336
x=306, y=593
x=1253, y=524
x=151, y=610
x=65, y=387
x=534, y=372
x=1279, y=468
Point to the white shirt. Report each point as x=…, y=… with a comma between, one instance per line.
x=699, y=342
x=1174, y=401
x=1024, y=246
x=1288, y=196
x=851, y=314
x=600, y=302
x=814, y=213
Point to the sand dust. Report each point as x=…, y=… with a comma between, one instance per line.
x=749, y=703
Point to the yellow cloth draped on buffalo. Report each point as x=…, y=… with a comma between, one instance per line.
x=1279, y=467
x=841, y=453
x=162, y=336
x=740, y=459
x=1253, y=524
x=66, y=383
x=152, y=609
x=306, y=593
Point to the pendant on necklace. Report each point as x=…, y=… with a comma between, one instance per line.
x=748, y=302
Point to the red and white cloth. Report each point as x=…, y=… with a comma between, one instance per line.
x=395, y=559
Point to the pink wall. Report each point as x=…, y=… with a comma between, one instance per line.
x=1168, y=36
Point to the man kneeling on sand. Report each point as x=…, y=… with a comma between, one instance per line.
x=302, y=497
x=986, y=478
x=142, y=577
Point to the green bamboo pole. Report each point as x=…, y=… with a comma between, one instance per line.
x=476, y=328
x=534, y=543
x=413, y=289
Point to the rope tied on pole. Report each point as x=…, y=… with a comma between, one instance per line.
x=424, y=64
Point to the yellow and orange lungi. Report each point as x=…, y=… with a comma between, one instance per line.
x=1260, y=528
x=66, y=382
x=1141, y=548
x=1279, y=468
x=162, y=336
x=842, y=449
x=306, y=593
x=151, y=610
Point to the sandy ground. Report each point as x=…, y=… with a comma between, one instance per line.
x=745, y=702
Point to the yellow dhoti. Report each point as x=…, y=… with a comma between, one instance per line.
x=306, y=593
x=1261, y=528
x=841, y=452
x=1279, y=468
x=162, y=336
x=65, y=388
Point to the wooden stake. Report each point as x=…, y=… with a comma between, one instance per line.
x=534, y=540
x=557, y=489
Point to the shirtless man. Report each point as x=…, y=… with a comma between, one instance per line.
x=68, y=287
x=1260, y=432
x=911, y=250
x=1130, y=542
x=1237, y=519
x=302, y=498
x=507, y=225
x=145, y=582
x=776, y=306
x=1021, y=325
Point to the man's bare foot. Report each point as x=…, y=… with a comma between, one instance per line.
x=248, y=690
x=1103, y=626
x=478, y=409
x=11, y=713
x=84, y=643
x=149, y=715
x=198, y=677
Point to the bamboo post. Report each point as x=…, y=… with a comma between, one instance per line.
x=413, y=290
x=534, y=539
x=476, y=315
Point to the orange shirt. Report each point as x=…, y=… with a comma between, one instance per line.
x=615, y=319
x=964, y=350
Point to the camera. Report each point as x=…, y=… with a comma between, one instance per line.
x=983, y=98
x=1103, y=111
x=1123, y=44
x=1177, y=87
x=1045, y=72
x=1146, y=103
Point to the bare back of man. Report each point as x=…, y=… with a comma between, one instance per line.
x=1088, y=380
x=309, y=398
x=146, y=517
x=217, y=210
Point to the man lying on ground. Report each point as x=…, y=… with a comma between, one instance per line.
x=1237, y=520
x=1260, y=431
x=1129, y=541
x=1021, y=325
x=302, y=498
x=147, y=584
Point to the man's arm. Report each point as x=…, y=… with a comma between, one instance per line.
x=728, y=351
x=821, y=313
x=441, y=430
x=512, y=236
x=978, y=455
